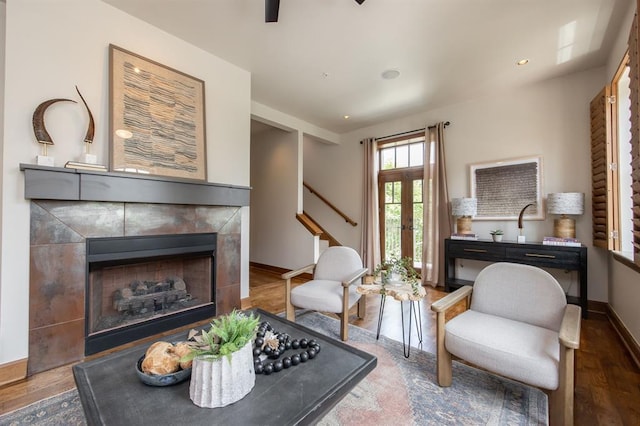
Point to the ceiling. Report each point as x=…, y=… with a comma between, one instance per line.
x=324, y=58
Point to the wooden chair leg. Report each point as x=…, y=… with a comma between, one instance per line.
x=290, y=310
x=362, y=306
x=561, y=399
x=443, y=355
x=344, y=317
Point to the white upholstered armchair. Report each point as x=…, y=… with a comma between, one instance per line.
x=333, y=288
x=519, y=325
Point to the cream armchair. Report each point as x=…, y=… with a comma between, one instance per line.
x=518, y=324
x=333, y=288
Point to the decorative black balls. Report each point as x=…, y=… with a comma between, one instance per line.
x=275, y=354
x=284, y=343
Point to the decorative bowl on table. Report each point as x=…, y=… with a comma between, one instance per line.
x=161, y=379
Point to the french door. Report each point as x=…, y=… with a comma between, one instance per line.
x=401, y=214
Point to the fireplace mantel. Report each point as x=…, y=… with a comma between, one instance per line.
x=55, y=183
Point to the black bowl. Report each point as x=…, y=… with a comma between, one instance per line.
x=161, y=379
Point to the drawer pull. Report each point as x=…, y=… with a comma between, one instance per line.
x=475, y=250
x=547, y=256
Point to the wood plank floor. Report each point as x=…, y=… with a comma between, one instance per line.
x=607, y=380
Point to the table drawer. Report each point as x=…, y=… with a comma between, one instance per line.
x=561, y=258
x=476, y=250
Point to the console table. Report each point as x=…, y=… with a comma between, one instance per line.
x=535, y=254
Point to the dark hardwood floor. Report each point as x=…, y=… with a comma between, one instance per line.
x=607, y=380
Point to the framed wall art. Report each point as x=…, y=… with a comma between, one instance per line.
x=504, y=188
x=157, y=118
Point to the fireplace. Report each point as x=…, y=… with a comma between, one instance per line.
x=143, y=285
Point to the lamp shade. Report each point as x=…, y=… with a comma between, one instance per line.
x=565, y=203
x=464, y=206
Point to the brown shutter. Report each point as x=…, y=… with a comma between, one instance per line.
x=634, y=74
x=601, y=173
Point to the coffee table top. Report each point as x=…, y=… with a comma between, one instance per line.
x=112, y=394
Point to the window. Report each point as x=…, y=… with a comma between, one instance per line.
x=615, y=158
x=400, y=183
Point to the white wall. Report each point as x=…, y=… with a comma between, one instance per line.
x=51, y=46
x=335, y=172
x=550, y=119
x=277, y=238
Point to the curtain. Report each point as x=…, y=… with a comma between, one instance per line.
x=437, y=217
x=370, y=239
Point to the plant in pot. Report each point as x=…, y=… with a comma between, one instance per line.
x=397, y=271
x=222, y=370
x=496, y=234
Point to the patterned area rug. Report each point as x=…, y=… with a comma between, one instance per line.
x=399, y=391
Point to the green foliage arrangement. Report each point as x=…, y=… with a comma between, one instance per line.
x=228, y=334
x=496, y=232
x=402, y=266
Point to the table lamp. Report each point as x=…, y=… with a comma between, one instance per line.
x=464, y=208
x=565, y=203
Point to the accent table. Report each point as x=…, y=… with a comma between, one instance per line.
x=402, y=292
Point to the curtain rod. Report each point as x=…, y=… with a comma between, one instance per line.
x=446, y=123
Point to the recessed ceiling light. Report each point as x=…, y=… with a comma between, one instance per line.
x=522, y=62
x=390, y=74
x=346, y=117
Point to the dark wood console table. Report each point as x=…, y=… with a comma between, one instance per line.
x=535, y=254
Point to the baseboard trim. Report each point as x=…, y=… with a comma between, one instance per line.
x=245, y=303
x=13, y=371
x=597, y=308
x=627, y=339
x=277, y=270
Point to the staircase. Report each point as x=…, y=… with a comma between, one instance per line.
x=326, y=239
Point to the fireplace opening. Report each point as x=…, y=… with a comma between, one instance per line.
x=143, y=285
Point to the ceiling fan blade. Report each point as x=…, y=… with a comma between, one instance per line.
x=271, y=9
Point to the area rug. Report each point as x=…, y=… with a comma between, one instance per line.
x=404, y=391
x=399, y=391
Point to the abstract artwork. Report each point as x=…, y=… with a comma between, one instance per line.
x=157, y=123
x=503, y=188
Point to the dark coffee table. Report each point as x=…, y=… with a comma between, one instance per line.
x=112, y=394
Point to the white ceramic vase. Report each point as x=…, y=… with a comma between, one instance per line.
x=217, y=383
x=497, y=238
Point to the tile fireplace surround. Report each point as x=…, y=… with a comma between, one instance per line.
x=68, y=206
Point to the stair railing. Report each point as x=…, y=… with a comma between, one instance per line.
x=328, y=203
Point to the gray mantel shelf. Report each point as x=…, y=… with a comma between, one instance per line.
x=55, y=183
